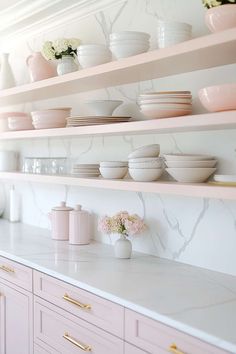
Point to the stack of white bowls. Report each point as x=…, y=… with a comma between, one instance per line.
x=145, y=165
x=187, y=168
x=93, y=54
x=85, y=170
x=127, y=43
x=170, y=33
x=113, y=169
x=165, y=104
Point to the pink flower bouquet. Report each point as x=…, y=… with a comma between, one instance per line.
x=122, y=223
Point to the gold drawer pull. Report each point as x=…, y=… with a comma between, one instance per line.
x=7, y=269
x=75, y=302
x=84, y=347
x=174, y=349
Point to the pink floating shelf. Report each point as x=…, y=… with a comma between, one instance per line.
x=207, y=121
x=200, y=53
x=200, y=190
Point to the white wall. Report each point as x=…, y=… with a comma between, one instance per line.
x=196, y=231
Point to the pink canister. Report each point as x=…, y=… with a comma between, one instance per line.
x=79, y=226
x=39, y=67
x=60, y=222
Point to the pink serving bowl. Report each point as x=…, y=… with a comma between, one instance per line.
x=218, y=98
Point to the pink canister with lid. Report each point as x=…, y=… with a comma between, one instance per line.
x=79, y=226
x=60, y=221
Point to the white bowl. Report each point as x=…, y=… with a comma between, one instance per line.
x=128, y=50
x=145, y=151
x=113, y=164
x=145, y=174
x=174, y=25
x=169, y=105
x=103, y=107
x=129, y=35
x=89, y=60
x=187, y=157
x=51, y=114
x=194, y=164
x=113, y=172
x=129, y=42
x=92, y=48
x=145, y=159
x=147, y=164
x=190, y=175
x=161, y=100
x=225, y=178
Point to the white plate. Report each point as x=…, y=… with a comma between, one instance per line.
x=113, y=163
x=225, y=178
x=179, y=164
x=187, y=157
x=190, y=175
x=86, y=165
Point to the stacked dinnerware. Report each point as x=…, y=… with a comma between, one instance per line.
x=50, y=118
x=127, y=43
x=170, y=33
x=93, y=54
x=165, y=104
x=20, y=122
x=80, y=121
x=113, y=169
x=145, y=164
x=85, y=170
x=103, y=107
x=187, y=168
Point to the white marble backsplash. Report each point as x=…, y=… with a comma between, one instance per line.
x=196, y=231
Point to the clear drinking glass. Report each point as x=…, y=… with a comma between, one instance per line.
x=27, y=166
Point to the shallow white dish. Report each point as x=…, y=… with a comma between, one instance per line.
x=103, y=107
x=187, y=157
x=164, y=100
x=145, y=159
x=113, y=172
x=113, y=164
x=147, y=164
x=225, y=178
x=145, y=174
x=89, y=60
x=129, y=35
x=145, y=151
x=128, y=50
x=191, y=175
x=199, y=164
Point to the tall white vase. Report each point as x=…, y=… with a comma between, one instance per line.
x=6, y=75
x=123, y=248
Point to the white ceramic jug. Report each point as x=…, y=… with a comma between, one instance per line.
x=6, y=75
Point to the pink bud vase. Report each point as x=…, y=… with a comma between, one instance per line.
x=39, y=67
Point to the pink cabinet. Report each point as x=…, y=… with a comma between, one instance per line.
x=131, y=349
x=155, y=337
x=67, y=334
x=42, y=349
x=16, y=327
x=16, y=273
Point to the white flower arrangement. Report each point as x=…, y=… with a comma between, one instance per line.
x=213, y=3
x=60, y=47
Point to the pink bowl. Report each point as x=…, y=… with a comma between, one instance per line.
x=218, y=98
x=220, y=18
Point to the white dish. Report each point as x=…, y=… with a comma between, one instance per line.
x=103, y=107
x=165, y=106
x=187, y=157
x=179, y=163
x=113, y=172
x=147, y=164
x=129, y=42
x=89, y=60
x=145, y=159
x=174, y=25
x=164, y=100
x=129, y=35
x=92, y=48
x=145, y=151
x=113, y=164
x=190, y=175
x=128, y=50
x=86, y=165
x=225, y=178
x=145, y=175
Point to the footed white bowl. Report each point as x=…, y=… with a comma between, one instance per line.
x=190, y=175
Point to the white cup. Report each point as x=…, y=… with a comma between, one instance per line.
x=8, y=161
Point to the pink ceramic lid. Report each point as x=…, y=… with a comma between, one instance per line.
x=62, y=207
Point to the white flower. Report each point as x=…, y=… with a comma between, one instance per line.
x=74, y=43
x=61, y=45
x=211, y=3
x=48, y=51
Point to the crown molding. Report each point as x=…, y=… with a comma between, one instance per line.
x=27, y=18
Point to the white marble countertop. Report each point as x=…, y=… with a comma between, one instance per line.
x=199, y=302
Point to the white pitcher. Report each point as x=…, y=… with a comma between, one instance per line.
x=7, y=79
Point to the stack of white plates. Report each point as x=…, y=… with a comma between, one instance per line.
x=78, y=121
x=86, y=170
x=225, y=179
x=127, y=43
x=189, y=168
x=113, y=169
x=93, y=54
x=170, y=33
x=165, y=104
x=144, y=163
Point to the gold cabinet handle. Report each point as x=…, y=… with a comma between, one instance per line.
x=75, y=302
x=174, y=349
x=84, y=347
x=7, y=269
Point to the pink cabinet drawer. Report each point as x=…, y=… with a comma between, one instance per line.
x=131, y=349
x=16, y=273
x=94, y=309
x=39, y=349
x=67, y=334
x=154, y=337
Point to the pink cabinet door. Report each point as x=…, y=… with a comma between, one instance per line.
x=67, y=334
x=130, y=349
x=16, y=273
x=41, y=349
x=16, y=325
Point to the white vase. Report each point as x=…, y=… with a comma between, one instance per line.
x=6, y=75
x=2, y=199
x=123, y=247
x=66, y=65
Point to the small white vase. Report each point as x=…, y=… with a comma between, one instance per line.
x=6, y=75
x=123, y=247
x=66, y=65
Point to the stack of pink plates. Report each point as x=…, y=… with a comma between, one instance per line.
x=23, y=122
x=78, y=121
x=50, y=118
x=165, y=104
